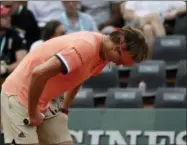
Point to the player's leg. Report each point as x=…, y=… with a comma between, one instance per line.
x=54, y=131
x=12, y=115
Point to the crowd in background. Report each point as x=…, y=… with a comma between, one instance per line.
x=24, y=25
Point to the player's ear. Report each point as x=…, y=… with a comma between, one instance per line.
x=115, y=37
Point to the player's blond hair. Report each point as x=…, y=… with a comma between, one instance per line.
x=134, y=40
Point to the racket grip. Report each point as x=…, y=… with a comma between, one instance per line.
x=26, y=121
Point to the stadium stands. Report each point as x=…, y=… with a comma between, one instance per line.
x=107, y=79
x=170, y=98
x=124, y=72
x=151, y=72
x=181, y=78
x=171, y=49
x=84, y=99
x=124, y=98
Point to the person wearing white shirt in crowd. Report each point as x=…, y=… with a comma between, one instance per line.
x=174, y=8
x=45, y=11
x=52, y=29
x=180, y=17
x=149, y=16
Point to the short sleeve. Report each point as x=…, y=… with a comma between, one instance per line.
x=76, y=55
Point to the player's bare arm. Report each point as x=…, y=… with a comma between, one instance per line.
x=40, y=75
x=69, y=96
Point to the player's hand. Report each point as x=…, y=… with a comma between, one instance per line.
x=36, y=119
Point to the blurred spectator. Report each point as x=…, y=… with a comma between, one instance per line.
x=52, y=29
x=175, y=16
x=24, y=21
x=12, y=46
x=74, y=20
x=145, y=16
x=181, y=25
x=105, y=13
x=162, y=8
x=45, y=11
x=175, y=8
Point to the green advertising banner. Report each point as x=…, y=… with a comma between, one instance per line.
x=128, y=126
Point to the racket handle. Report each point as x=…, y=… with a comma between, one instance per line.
x=26, y=121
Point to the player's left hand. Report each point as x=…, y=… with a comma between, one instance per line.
x=36, y=119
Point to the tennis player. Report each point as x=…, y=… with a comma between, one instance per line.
x=59, y=66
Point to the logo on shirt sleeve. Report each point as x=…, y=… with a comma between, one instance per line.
x=79, y=55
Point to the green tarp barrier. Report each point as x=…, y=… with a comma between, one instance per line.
x=128, y=126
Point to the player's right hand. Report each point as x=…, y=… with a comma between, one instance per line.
x=36, y=119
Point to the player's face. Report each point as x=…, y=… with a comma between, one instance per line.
x=114, y=55
x=118, y=55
